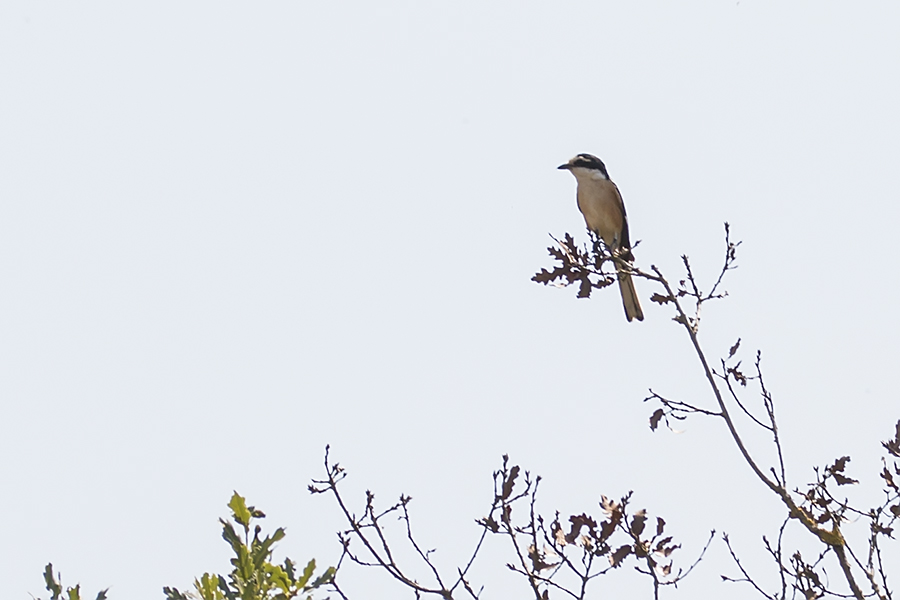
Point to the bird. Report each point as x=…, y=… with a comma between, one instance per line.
x=601, y=205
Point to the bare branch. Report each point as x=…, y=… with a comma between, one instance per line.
x=380, y=554
x=746, y=576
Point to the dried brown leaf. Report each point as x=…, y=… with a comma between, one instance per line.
x=889, y=480
x=655, y=418
x=893, y=446
x=579, y=521
x=842, y=480
x=490, y=524
x=638, y=522
x=584, y=291
x=510, y=482
x=608, y=505
x=619, y=555
x=840, y=464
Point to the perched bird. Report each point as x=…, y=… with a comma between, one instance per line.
x=601, y=204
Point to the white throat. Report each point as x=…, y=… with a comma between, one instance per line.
x=585, y=173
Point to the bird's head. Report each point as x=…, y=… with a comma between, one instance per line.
x=586, y=165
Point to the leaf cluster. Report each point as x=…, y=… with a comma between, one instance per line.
x=570, y=553
x=57, y=592
x=254, y=576
x=577, y=265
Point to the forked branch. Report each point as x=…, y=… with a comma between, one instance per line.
x=817, y=509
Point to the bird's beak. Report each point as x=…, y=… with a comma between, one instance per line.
x=566, y=166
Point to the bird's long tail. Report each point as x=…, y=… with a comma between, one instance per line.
x=629, y=297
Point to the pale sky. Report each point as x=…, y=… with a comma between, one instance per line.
x=233, y=233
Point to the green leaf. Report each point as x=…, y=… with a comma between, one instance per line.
x=278, y=535
x=244, y=566
x=174, y=594
x=289, y=569
x=262, y=550
x=101, y=595
x=326, y=577
x=223, y=585
x=52, y=586
x=208, y=587
x=279, y=578
x=231, y=536
x=307, y=573
x=238, y=506
x=74, y=593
